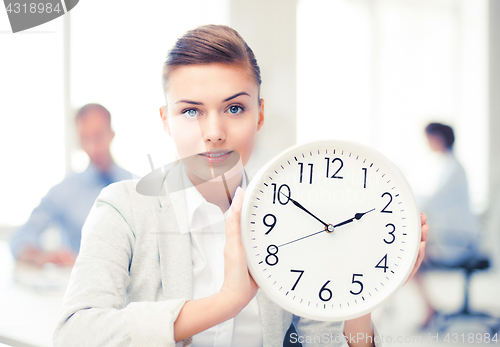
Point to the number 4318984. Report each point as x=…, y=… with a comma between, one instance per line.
x=470, y=338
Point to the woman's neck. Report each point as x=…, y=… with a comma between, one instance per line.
x=215, y=192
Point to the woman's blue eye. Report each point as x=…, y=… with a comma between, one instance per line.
x=235, y=109
x=191, y=113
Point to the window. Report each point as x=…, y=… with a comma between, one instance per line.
x=377, y=72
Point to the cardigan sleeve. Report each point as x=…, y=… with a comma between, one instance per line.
x=95, y=310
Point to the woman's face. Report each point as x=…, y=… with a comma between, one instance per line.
x=213, y=115
x=436, y=143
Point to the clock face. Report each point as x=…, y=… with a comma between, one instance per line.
x=330, y=230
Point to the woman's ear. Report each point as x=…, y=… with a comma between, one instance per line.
x=260, y=122
x=164, y=119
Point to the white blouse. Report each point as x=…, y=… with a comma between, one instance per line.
x=207, y=228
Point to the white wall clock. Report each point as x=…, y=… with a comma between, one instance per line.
x=330, y=229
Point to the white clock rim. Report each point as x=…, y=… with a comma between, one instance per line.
x=245, y=231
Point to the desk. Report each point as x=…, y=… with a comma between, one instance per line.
x=30, y=301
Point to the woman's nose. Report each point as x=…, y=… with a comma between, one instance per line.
x=213, y=129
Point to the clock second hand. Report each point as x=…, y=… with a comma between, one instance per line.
x=317, y=232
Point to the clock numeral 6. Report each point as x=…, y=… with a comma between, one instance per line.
x=358, y=282
x=281, y=195
x=310, y=172
x=390, y=200
x=273, y=223
x=298, y=279
x=385, y=267
x=325, y=294
x=391, y=233
x=272, y=258
x=336, y=172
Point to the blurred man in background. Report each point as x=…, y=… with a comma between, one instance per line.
x=67, y=204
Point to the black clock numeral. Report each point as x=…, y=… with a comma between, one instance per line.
x=298, y=279
x=273, y=223
x=310, y=172
x=391, y=233
x=390, y=200
x=323, y=289
x=357, y=282
x=364, y=182
x=336, y=172
x=272, y=258
x=281, y=195
x=385, y=267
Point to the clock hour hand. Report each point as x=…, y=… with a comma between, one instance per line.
x=304, y=209
x=357, y=216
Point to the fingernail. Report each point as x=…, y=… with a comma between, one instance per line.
x=237, y=200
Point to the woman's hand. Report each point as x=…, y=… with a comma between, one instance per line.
x=238, y=287
x=421, y=252
x=236, y=292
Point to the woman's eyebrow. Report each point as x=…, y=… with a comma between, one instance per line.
x=236, y=95
x=190, y=102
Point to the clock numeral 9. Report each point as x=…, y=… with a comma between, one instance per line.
x=310, y=172
x=391, y=233
x=323, y=290
x=390, y=200
x=273, y=223
x=336, y=172
x=272, y=258
x=385, y=267
x=298, y=279
x=281, y=194
x=358, y=282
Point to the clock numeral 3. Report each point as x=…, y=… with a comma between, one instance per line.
x=358, y=282
x=310, y=172
x=272, y=258
x=325, y=294
x=385, y=267
x=390, y=200
x=391, y=233
x=298, y=279
x=336, y=172
x=281, y=195
x=273, y=223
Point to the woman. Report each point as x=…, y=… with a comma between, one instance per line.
x=455, y=239
x=158, y=270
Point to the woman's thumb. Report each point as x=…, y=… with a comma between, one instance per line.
x=237, y=200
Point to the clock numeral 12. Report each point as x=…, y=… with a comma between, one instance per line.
x=328, y=167
x=358, y=282
x=280, y=194
x=310, y=172
x=364, y=182
x=385, y=267
x=298, y=279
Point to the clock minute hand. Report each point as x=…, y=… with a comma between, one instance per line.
x=304, y=209
x=357, y=216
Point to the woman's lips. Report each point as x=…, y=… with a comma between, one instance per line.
x=216, y=157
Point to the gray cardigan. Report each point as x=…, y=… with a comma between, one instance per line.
x=134, y=273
